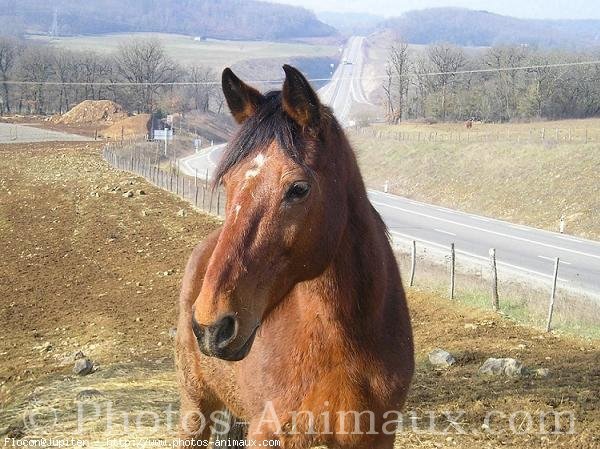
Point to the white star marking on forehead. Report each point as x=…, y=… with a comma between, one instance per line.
x=259, y=161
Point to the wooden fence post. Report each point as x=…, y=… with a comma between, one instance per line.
x=413, y=262
x=452, y=269
x=552, y=295
x=494, y=271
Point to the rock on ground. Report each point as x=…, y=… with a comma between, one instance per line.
x=504, y=366
x=441, y=359
x=83, y=367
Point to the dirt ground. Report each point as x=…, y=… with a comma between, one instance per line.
x=83, y=268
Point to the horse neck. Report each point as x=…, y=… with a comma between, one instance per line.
x=351, y=291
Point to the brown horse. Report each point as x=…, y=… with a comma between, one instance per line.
x=292, y=314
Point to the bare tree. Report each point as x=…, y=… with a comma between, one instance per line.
x=203, y=90
x=446, y=61
x=64, y=67
x=397, y=81
x=506, y=81
x=543, y=82
x=9, y=51
x=35, y=68
x=93, y=68
x=146, y=64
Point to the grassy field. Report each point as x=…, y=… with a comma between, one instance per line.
x=87, y=269
x=501, y=171
x=185, y=50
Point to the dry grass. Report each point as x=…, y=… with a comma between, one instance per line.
x=70, y=274
x=532, y=183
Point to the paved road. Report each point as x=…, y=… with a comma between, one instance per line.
x=11, y=133
x=521, y=249
x=345, y=88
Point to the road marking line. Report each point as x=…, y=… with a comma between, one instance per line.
x=552, y=260
x=487, y=220
x=445, y=232
x=477, y=228
x=477, y=256
x=553, y=234
x=520, y=228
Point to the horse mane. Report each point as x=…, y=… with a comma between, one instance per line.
x=269, y=124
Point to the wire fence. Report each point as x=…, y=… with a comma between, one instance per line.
x=144, y=159
x=543, y=300
x=533, y=135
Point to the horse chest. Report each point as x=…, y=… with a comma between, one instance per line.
x=316, y=377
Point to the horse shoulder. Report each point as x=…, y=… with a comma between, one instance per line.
x=195, y=270
x=187, y=355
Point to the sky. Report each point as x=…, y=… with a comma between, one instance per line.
x=536, y=9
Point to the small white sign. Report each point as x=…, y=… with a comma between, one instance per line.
x=163, y=134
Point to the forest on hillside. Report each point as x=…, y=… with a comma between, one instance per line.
x=225, y=19
x=481, y=28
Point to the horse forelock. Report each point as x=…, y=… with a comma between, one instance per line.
x=269, y=124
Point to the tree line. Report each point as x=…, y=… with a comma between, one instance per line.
x=424, y=84
x=38, y=79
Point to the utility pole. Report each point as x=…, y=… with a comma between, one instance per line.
x=54, y=26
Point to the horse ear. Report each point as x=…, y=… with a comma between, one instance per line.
x=243, y=100
x=300, y=101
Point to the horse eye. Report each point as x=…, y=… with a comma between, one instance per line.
x=297, y=191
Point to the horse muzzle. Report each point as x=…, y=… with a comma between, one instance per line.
x=219, y=339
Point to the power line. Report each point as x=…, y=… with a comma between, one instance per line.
x=214, y=83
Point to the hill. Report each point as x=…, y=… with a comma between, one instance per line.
x=481, y=28
x=491, y=168
x=225, y=19
x=350, y=23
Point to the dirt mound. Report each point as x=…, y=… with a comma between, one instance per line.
x=93, y=111
x=134, y=126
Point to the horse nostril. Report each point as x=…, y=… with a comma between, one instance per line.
x=225, y=331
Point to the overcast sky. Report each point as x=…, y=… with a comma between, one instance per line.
x=538, y=9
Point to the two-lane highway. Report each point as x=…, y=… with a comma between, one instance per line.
x=528, y=250
x=522, y=249
x=345, y=87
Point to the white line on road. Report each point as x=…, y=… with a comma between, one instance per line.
x=489, y=231
x=520, y=228
x=551, y=259
x=445, y=232
x=476, y=256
